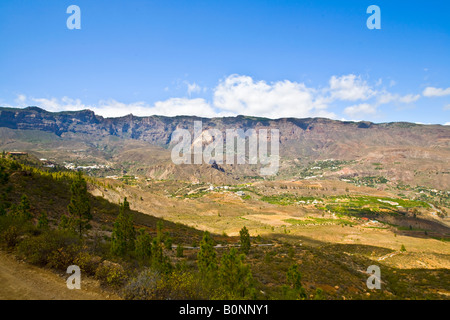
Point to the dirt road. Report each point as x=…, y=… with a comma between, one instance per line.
x=21, y=281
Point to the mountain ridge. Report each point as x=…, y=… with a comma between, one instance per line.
x=407, y=152
x=60, y=122
x=243, y=117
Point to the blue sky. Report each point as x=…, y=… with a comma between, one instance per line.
x=215, y=58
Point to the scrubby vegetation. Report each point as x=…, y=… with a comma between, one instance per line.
x=134, y=264
x=51, y=220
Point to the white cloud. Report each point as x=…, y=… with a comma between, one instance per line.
x=387, y=97
x=242, y=95
x=422, y=123
x=436, y=92
x=350, y=88
x=183, y=106
x=447, y=107
x=409, y=98
x=64, y=104
x=193, y=88
x=170, y=107
x=359, y=109
x=113, y=108
x=21, y=98
x=447, y=124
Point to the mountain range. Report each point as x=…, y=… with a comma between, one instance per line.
x=401, y=152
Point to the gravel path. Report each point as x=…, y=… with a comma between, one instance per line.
x=21, y=281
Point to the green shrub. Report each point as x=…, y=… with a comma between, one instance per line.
x=319, y=294
x=87, y=262
x=111, y=274
x=11, y=237
x=143, y=287
x=269, y=256
x=178, y=285
x=39, y=249
x=9, y=220
x=181, y=285
x=63, y=257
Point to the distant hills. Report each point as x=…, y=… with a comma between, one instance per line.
x=400, y=151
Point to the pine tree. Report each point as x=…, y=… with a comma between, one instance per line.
x=245, y=240
x=65, y=224
x=157, y=252
x=160, y=262
x=143, y=249
x=2, y=209
x=206, y=257
x=23, y=209
x=168, y=241
x=294, y=280
x=43, y=221
x=3, y=204
x=3, y=175
x=159, y=234
x=180, y=253
x=124, y=234
x=235, y=276
x=79, y=207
